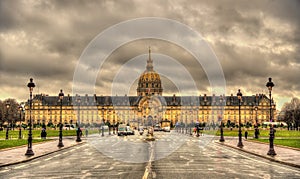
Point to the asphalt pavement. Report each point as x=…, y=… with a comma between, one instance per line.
x=171, y=155
x=17, y=155
x=285, y=155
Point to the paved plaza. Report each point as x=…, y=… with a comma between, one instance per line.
x=170, y=155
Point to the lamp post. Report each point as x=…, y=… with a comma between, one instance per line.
x=61, y=97
x=20, y=128
x=182, y=122
x=29, y=151
x=271, y=151
x=221, y=119
x=185, y=124
x=114, y=122
x=256, y=124
x=191, y=121
x=176, y=123
x=239, y=95
x=78, y=139
x=138, y=128
x=7, y=115
x=102, y=128
x=109, y=123
x=221, y=129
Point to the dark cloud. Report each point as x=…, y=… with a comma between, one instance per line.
x=253, y=40
x=8, y=17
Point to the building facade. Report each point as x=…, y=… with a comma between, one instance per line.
x=149, y=107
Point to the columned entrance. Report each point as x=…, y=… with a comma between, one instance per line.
x=151, y=110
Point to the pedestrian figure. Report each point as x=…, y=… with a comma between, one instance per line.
x=43, y=133
x=246, y=134
x=86, y=132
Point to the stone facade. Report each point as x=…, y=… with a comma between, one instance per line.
x=149, y=106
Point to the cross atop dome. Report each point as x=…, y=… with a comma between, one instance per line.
x=149, y=66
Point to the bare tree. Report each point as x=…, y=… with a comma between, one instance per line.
x=292, y=113
x=1, y=115
x=10, y=114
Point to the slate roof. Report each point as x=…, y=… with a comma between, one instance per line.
x=165, y=100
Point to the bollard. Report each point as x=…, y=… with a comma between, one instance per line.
x=102, y=131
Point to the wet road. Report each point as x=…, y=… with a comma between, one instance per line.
x=171, y=155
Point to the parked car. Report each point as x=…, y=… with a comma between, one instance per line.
x=166, y=129
x=69, y=127
x=157, y=128
x=129, y=130
x=122, y=130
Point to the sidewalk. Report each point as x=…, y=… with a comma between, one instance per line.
x=17, y=154
x=285, y=155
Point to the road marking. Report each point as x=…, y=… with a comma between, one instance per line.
x=48, y=158
x=148, y=167
x=80, y=146
x=115, y=143
x=36, y=162
x=57, y=155
x=66, y=152
x=97, y=166
x=21, y=166
x=4, y=171
x=86, y=175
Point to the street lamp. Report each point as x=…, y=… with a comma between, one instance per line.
x=181, y=122
x=109, y=123
x=78, y=139
x=102, y=128
x=138, y=121
x=185, y=125
x=7, y=115
x=239, y=95
x=20, y=130
x=271, y=151
x=256, y=124
x=114, y=123
x=61, y=97
x=191, y=121
x=221, y=119
x=29, y=151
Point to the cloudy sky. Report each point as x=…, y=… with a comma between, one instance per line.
x=251, y=40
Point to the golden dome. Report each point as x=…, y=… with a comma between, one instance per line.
x=149, y=81
x=149, y=76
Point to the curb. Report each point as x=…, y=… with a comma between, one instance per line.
x=262, y=156
x=35, y=157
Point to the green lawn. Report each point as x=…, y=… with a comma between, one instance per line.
x=285, y=142
x=37, y=133
x=13, y=143
x=263, y=133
